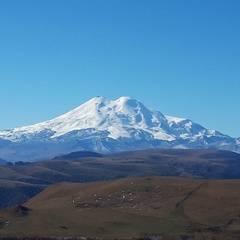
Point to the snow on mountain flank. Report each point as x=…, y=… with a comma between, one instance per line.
x=116, y=117
x=104, y=125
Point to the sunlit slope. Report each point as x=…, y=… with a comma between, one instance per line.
x=92, y=167
x=131, y=207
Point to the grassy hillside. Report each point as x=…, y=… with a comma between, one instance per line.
x=27, y=179
x=131, y=207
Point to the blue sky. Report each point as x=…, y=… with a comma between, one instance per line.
x=181, y=57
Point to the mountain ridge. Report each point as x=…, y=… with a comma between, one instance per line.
x=106, y=126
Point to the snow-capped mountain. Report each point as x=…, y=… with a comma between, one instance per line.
x=104, y=125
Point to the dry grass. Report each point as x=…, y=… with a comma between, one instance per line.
x=76, y=167
x=132, y=207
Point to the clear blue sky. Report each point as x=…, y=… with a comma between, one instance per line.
x=181, y=57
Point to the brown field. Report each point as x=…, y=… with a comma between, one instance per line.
x=20, y=182
x=131, y=207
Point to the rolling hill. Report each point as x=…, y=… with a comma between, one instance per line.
x=27, y=179
x=164, y=207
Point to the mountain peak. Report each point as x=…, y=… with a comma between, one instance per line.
x=115, y=117
x=97, y=99
x=113, y=125
x=124, y=100
x=127, y=102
